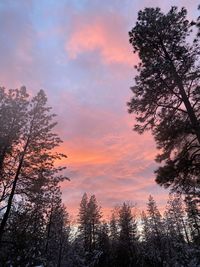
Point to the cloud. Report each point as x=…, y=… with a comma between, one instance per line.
x=105, y=157
x=109, y=160
x=106, y=34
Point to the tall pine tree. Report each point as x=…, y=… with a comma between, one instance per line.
x=166, y=96
x=31, y=155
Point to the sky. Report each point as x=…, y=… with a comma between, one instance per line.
x=78, y=51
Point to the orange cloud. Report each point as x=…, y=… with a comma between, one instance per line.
x=106, y=158
x=114, y=170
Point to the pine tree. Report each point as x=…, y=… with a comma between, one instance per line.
x=114, y=236
x=32, y=155
x=179, y=248
x=13, y=110
x=58, y=230
x=103, y=245
x=145, y=226
x=114, y=227
x=94, y=212
x=146, y=249
x=166, y=95
x=89, y=226
x=175, y=218
x=193, y=215
x=154, y=217
x=155, y=239
x=127, y=237
x=83, y=220
x=24, y=236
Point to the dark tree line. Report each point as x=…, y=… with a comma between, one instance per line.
x=39, y=237
x=127, y=239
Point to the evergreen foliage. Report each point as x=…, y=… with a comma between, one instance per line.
x=166, y=96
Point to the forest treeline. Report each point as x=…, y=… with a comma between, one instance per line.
x=131, y=238
x=35, y=229
x=39, y=235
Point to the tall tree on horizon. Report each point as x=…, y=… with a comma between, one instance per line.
x=83, y=221
x=58, y=230
x=155, y=232
x=127, y=250
x=89, y=221
x=94, y=212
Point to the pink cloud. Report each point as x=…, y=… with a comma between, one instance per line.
x=107, y=159
x=106, y=34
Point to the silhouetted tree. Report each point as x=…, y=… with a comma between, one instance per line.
x=89, y=228
x=177, y=234
x=83, y=220
x=166, y=96
x=154, y=234
x=114, y=235
x=127, y=237
x=193, y=216
x=175, y=218
x=103, y=245
x=58, y=230
x=13, y=116
x=94, y=214
x=25, y=235
x=31, y=153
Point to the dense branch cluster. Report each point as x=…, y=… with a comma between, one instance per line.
x=30, y=196
x=166, y=95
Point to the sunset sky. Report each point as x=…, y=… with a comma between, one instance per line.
x=78, y=52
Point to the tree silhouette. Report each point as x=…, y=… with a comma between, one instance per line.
x=166, y=96
x=30, y=152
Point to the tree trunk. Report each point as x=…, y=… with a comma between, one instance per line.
x=185, y=231
x=61, y=247
x=188, y=106
x=48, y=232
x=10, y=199
x=190, y=110
x=60, y=253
